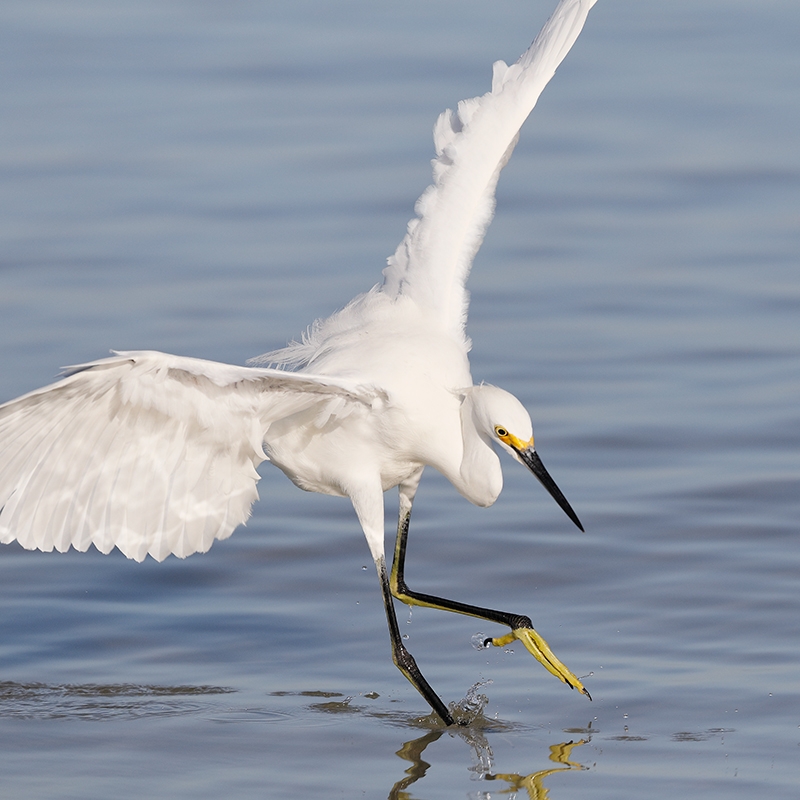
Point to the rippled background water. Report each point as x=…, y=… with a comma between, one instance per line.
x=207, y=178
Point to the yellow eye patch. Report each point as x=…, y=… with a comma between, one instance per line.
x=512, y=441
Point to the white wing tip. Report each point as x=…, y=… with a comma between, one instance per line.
x=499, y=75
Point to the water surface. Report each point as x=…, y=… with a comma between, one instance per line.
x=206, y=179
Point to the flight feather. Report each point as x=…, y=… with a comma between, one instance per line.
x=472, y=145
x=148, y=452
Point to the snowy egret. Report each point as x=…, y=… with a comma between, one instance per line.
x=157, y=454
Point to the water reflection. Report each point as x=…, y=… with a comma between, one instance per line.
x=412, y=751
x=474, y=730
x=532, y=783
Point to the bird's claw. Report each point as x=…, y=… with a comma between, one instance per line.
x=540, y=650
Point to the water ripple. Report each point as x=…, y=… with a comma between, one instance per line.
x=97, y=702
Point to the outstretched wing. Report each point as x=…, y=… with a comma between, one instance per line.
x=473, y=144
x=145, y=451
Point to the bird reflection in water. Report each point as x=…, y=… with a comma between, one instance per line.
x=532, y=783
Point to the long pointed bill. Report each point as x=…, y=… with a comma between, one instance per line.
x=531, y=460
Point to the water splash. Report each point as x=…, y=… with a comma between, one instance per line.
x=480, y=641
x=469, y=710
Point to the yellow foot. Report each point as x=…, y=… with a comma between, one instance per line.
x=541, y=651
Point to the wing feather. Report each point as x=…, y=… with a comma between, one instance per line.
x=472, y=145
x=148, y=452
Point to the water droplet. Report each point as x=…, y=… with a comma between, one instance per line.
x=624, y=716
x=405, y=636
x=477, y=640
x=364, y=567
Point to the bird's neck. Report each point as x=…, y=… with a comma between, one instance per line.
x=480, y=477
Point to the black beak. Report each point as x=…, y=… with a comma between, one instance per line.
x=534, y=464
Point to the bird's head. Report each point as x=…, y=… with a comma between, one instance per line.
x=503, y=421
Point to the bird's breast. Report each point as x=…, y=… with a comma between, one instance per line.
x=419, y=371
x=342, y=455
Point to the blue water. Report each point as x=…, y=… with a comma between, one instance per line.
x=206, y=179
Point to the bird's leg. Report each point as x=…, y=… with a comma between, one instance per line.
x=368, y=504
x=521, y=626
x=402, y=658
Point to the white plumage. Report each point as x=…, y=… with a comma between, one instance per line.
x=148, y=452
x=472, y=145
x=157, y=454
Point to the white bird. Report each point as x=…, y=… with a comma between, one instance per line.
x=157, y=454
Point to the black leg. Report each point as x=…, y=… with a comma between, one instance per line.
x=401, y=591
x=521, y=626
x=402, y=658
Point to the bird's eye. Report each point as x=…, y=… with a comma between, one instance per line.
x=501, y=431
